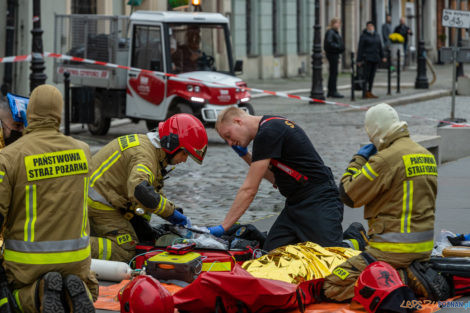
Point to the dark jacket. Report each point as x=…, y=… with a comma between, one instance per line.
x=402, y=29
x=386, y=31
x=333, y=43
x=370, y=47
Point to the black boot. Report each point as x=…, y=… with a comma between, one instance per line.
x=357, y=235
x=78, y=294
x=52, y=294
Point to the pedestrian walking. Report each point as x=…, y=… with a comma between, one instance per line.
x=334, y=47
x=43, y=187
x=405, y=31
x=369, y=54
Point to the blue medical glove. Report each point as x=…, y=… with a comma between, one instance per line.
x=367, y=151
x=216, y=230
x=241, y=151
x=178, y=219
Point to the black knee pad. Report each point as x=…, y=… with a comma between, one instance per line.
x=434, y=283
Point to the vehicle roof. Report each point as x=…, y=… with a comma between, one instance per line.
x=178, y=17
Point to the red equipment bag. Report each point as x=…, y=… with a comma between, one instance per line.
x=461, y=285
x=238, y=291
x=242, y=255
x=216, y=261
x=143, y=253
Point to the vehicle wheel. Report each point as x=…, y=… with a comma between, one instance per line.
x=248, y=106
x=151, y=124
x=180, y=107
x=101, y=124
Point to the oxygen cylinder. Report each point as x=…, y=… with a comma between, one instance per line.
x=111, y=270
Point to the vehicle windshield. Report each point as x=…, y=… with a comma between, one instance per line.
x=198, y=47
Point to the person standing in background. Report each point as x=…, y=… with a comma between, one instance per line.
x=386, y=31
x=334, y=46
x=369, y=54
x=405, y=31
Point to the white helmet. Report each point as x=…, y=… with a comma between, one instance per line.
x=381, y=121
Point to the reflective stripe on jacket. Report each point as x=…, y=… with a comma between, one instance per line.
x=398, y=188
x=123, y=164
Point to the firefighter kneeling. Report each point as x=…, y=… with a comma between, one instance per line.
x=399, y=205
x=125, y=187
x=46, y=252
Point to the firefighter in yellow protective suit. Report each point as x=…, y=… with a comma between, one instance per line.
x=43, y=187
x=397, y=187
x=125, y=187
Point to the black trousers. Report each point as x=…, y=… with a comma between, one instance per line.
x=333, y=73
x=369, y=74
x=317, y=219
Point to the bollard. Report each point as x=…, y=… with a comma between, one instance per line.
x=67, y=103
x=389, y=71
x=353, y=73
x=398, y=70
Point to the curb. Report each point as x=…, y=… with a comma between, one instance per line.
x=342, y=87
x=420, y=97
x=424, y=96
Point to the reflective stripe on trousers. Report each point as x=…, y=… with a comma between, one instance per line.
x=104, y=248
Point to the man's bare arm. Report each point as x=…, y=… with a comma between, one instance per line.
x=268, y=175
x=246, y=193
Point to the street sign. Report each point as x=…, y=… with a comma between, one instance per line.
x=462, y=55
x=455, y=18
x=446, y=54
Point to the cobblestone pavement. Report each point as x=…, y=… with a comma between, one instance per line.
x=206, y=192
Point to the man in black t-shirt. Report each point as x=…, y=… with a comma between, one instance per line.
x=284, y=155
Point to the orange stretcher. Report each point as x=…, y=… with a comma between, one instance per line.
x=108, y=300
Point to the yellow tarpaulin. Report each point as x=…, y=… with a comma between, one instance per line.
x=298, y=263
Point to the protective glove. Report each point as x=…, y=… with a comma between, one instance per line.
x=241, y=151
x=367, y=151
x=177, y=218
x=216, y=230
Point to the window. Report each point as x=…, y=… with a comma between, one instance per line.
x=302, y=27
x=252, y=48
x=83, y=6
x=279, y=27
x=147, y=48
x=275, y=28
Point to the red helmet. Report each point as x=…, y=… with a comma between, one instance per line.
x=183, y=131
x=376, y=282
x=145, y=294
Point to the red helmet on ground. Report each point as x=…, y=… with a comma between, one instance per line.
x=145, y=294
x=376, y=283
x=183, y=131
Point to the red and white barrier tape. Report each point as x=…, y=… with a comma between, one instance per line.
x=13, y=59
x=22, y=58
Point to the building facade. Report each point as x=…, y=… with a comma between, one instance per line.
x=273, y=37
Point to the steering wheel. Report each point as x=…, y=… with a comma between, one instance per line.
x=205, y=62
